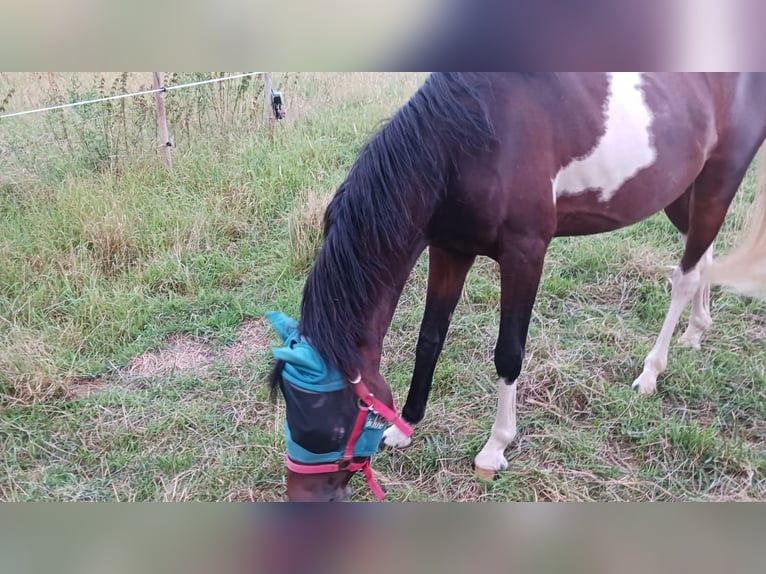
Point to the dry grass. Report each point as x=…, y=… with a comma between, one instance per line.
x=28, y=369
x=182, y=354
x=345, y=91
x=251, y=341
x=35, y=89
x=84, y=388
x=305, y=226
x=179, y=355
x=110, y=242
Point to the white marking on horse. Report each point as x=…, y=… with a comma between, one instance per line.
x=699, y=319
x=492, y=456
x=625, y=148
x=395, y=438
x=685, y=285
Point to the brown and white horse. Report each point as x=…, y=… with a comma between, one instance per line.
x=498, y=165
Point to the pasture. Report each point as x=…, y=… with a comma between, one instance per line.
x=134, y=353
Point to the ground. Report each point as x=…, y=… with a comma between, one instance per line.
x=134, y=350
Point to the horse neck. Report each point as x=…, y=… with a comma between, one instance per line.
x=381, y=316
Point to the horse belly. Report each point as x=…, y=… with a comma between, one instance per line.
x=641, y=197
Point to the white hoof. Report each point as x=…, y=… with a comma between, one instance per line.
x=692, y=339
x=645, y=384
x=394, y=438
x=491, y=460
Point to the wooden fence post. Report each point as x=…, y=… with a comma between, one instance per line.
x=267, y=88
x=162, y=122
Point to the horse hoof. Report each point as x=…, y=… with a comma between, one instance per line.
x=394, y=438
x=485, y=473
x=644, y=388
x=486, y=465
x=692, y=341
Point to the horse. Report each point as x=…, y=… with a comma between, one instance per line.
x=498, y=165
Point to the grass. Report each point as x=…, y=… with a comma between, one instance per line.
x=133, y=356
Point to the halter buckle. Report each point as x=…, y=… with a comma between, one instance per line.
x=362, y=405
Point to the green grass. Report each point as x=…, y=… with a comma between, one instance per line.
x=102, y=267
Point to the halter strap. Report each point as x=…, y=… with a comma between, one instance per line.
x=376, y=406
x=336, y=467
x=356, y=432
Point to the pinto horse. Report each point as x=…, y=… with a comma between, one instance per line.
x=498, y=165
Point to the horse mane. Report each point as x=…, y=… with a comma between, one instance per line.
x=275, y=379
x=384, y=204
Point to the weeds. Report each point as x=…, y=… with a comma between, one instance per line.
x=110, y=136
x=305, y=227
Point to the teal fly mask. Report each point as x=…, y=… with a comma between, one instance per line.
x=326, y=427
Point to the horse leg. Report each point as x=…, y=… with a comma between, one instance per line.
x=447, y=271
x=520, y=271
x=711, y=196
x=700, y=319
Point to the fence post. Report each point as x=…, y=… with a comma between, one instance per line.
x=162, y=122
x=267, y=89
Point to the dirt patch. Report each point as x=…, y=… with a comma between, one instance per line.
x=251, y=339
x=183, y=353
x=83, y=388
x=179, y=354
x=756, y=333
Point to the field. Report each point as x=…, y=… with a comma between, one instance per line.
x=133, y=351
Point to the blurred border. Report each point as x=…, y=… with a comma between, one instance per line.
x=378, y=538
x=401, y=35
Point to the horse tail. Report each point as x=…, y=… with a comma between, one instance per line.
x=743, y=270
